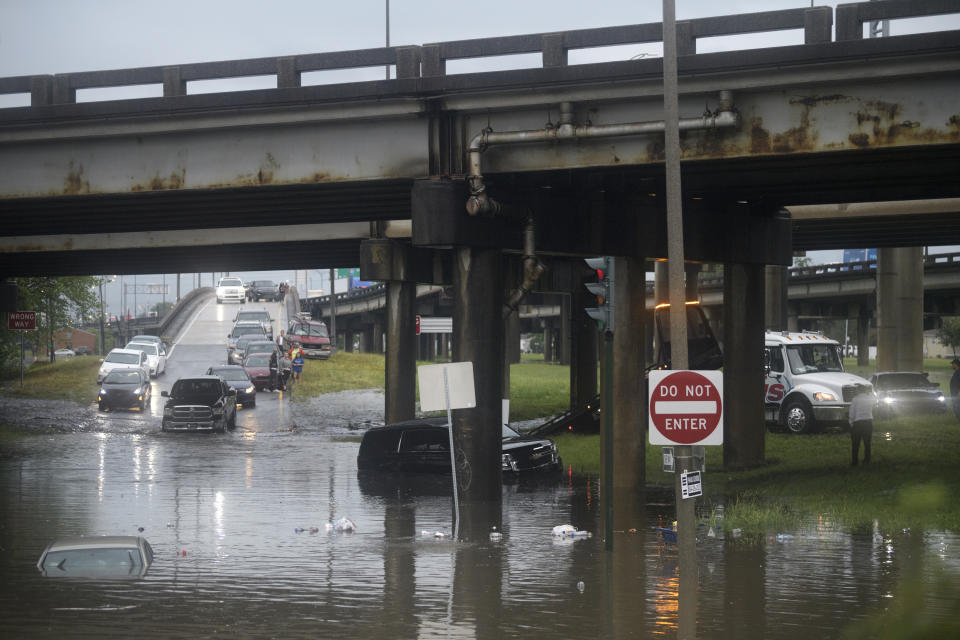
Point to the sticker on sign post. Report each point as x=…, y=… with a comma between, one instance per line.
x=668, y=465
x=685, y=407
x=690, y=485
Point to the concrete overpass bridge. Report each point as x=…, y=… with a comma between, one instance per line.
x=814, y=293
x=557, y=162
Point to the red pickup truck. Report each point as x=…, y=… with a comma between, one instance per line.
x=311, y=336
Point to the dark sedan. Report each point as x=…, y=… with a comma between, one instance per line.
x=423, y=445
x=124, y=389
x=902, y=392
x=236, y=376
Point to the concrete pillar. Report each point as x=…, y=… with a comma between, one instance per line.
x=564, y=342
x=377, y=344
x=445, y=347
x=348, y=340
x=511, y=343
x=547, y=341
x=900, y=309
x=775, y=297
x=366, y=339
x=744, y=430
x=478, y=338
x=584, y=348
x=661, y=282
x=400, y=368
x=629, y=390
x=863, y=338
x=431, y=354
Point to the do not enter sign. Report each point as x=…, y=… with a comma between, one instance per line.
x=686, y=407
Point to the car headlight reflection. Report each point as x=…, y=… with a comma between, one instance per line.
x=249, y=389
x=889, y=400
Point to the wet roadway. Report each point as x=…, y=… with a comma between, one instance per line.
x=222, y=513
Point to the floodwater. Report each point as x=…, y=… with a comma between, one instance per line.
x=222, y=513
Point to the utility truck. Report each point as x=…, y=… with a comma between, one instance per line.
x=806, y=387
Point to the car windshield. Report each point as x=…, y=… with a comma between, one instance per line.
x=260, y=346
x=507, y=432
x=123, y=358
x=231, y=375
x=122, y=376
x=82, y=562
x=202, y=390
x=247, y=330
x=257, y=360
x=314, y=330
x=149, y=349
x=808, y=358
x=903, y=381
x=231, y=282
x=254, y=315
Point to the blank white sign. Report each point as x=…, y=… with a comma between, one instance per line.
x=459, y=380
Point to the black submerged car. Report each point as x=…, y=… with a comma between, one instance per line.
x=423, y=445
x=124, y=389
x=204, y=403
x=902, y=392
x=236, y=376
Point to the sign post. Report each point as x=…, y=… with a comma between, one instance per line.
x=22, y=321
x=459, y=392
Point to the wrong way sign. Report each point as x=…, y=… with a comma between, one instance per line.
x=22, y=321
x=686, y=407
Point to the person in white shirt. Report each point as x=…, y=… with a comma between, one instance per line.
x=861, y=423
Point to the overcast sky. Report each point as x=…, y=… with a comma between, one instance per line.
x=61, y=36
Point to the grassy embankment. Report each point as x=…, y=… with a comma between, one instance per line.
x=74, y=379
x=537, y=389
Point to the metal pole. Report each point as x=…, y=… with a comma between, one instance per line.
x=21, y=359
x=686, y=527
x=607, y=409
x=453, y=461
x=333, y=311
x=388, y=36
x=103, y=343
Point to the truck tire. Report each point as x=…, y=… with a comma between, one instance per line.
x=798, y=416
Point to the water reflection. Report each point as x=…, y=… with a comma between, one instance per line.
x=233, y=505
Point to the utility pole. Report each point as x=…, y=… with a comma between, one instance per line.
x=333, y=310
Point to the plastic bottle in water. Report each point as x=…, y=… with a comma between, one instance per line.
x=580, y=535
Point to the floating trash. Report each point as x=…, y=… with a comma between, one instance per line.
x=571, y=532
x=581, y=586
x=495, y=536
x=343, y=525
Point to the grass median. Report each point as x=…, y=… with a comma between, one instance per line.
x=74, y=379
x=537, y=389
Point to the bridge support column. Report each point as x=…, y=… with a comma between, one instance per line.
x=400, y=366
x=583, y=365
x=548, y=341
x=775, y=297
x=743, y=320
x=629, y=390
x=900, y=309
x=564, y=346
x=377, y=344
x=478, y=338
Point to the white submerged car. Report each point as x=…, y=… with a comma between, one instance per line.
x=231, y=290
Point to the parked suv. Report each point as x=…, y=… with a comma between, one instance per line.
x=203, y=403
x=260, y=315
x=230, y=289
x=264, y=290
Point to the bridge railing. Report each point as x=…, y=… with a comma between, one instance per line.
x=430, y=60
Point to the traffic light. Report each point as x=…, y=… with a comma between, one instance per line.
x=602, y=289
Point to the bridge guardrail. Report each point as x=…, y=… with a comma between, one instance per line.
x=429, y=60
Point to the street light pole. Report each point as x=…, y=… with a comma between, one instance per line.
x=103, y=344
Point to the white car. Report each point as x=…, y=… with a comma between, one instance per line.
x=156, y=355
x=123, y=358
x=231, y=289
x=64, y=354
